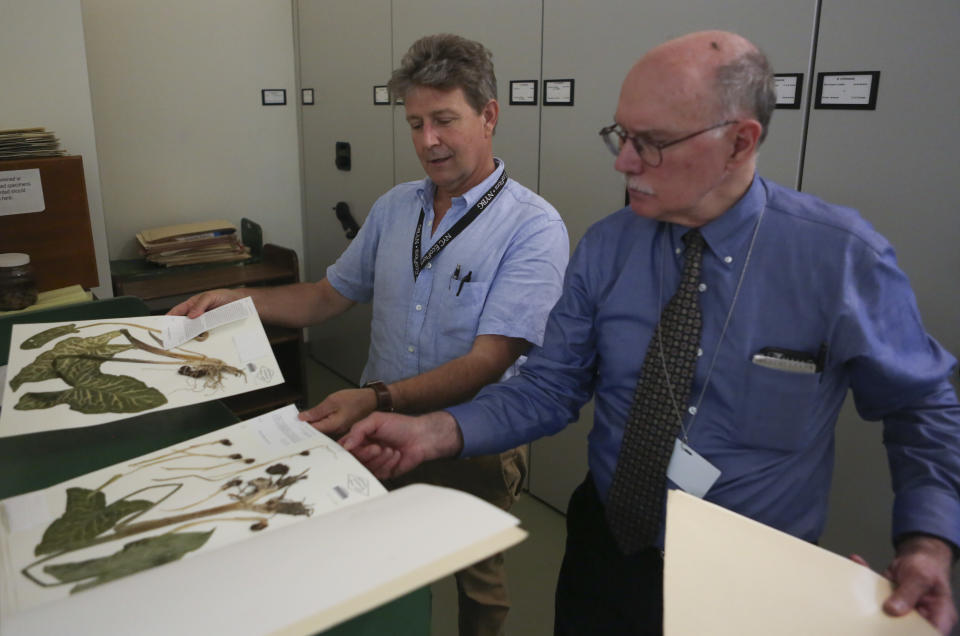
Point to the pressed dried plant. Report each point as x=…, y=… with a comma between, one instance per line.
x=76, y=361
x=88, y=520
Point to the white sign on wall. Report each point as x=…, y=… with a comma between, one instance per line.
x=21, y=191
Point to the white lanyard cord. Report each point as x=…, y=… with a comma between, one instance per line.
x=733, y=302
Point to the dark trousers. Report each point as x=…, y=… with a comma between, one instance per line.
x=600, y=591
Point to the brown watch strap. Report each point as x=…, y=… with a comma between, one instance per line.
x=384, y=399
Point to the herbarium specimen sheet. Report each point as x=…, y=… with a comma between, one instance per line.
x=201, y=495
x=73, y=374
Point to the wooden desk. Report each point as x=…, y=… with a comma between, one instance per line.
x=276, y=266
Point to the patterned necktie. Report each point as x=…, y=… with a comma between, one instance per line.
x=635, y=501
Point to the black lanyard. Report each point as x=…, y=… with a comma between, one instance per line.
x=458, y=227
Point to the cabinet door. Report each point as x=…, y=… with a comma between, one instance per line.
x=898, y=165
x=596, y=44
x=344, y=52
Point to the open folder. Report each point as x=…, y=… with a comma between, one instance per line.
x=726, y=575
x=263, y=527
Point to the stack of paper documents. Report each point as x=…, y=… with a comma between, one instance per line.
x=26, y=143
x=190, y=243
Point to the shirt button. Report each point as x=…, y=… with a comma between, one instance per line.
x=677, y=251
x=727, y=259
x=411, y=349
x=699, y=352
x=692, y=410
x=419, y=307
x=429, y=266
x=702, y=287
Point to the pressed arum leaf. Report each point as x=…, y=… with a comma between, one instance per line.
x=42, y=368
x=86, y=517
x=93, y=391
x=134, y=557
x=38, y=340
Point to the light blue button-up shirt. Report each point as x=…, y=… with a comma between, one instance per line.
x=819, y=276
x=515, y=251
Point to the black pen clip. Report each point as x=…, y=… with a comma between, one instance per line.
x=465, y=279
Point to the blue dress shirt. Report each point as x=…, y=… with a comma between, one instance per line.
x=515, y=252
x=818, y=276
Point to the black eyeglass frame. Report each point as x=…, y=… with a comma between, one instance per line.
x=638, y=145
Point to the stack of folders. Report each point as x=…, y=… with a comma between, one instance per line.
x=192, y=243
x=27, y=143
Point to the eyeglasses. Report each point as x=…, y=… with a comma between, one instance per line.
x=650, y=152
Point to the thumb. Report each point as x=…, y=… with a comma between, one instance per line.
x=905, y=597
x=856, y=558
x=318, y=412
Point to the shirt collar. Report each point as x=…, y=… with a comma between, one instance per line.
x=729, y=233
x=467, y=200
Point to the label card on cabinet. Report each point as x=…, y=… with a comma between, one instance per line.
x=21, y=191
x=856, y=90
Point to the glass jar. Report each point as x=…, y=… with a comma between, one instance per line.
x=18, y=287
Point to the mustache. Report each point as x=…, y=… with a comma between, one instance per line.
x=634, y=183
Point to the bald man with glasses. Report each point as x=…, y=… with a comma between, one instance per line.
x=719, y=319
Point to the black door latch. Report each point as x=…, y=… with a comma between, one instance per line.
x=350, y=226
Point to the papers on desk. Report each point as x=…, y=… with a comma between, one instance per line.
x=727, y=575
x=192, y=243
x=55, y=298
x=298, y=539
x=69, y=375
x=29, y=143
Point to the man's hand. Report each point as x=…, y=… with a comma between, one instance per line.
x=921, y=574
x=196, y=305
x=389, y=444
x=337, y=413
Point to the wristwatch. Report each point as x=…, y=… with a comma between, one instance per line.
x=384, y=400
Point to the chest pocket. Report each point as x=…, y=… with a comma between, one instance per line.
x=460, y=315
x=777, y=407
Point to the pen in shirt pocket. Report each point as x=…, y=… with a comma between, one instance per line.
x=455, y=276
x=465, y=279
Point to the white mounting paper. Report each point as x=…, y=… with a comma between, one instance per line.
x=156, y=370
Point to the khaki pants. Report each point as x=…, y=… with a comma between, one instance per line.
x=482, y=587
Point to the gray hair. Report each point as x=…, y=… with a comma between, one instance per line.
x=745, y=86
x=447, y=62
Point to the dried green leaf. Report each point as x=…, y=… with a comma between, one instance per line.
x=34, y=401
x=134, y=557
x=86, y=517
x=93, y=391
x=93, y=346
x=38, y=340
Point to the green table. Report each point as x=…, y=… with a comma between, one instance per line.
x=39, y=460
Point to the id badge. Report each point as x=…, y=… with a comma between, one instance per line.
x=690, y=471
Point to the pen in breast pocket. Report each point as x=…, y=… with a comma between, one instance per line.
x=455, y=276
x=465, y=279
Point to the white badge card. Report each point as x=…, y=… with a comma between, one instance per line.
x=690, y=471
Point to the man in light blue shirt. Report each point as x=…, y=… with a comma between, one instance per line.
x=801, y=300
x=462, y=268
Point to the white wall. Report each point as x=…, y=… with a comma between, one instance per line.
x=43, y=72
x=179, y=124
